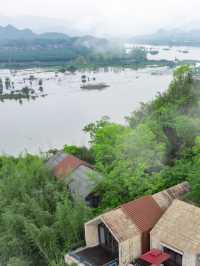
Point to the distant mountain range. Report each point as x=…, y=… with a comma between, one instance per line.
x=41, y=24
x=23, y=45
x=9, y=33
x=170, y=37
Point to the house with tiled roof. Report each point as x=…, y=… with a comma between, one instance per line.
x=122, y=236
x=78, y=175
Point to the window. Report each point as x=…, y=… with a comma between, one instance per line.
x=107, y=241
x=175, y=258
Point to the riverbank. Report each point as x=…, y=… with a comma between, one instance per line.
x=72, y=67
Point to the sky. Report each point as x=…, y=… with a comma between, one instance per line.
x=106, y=17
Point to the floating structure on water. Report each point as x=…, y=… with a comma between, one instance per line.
x=89, y=83
x=183, y=51
x=95, y=86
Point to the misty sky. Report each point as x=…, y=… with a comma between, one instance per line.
x=116, y=17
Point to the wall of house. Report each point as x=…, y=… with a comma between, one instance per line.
x=129, y=250
x=91, y=233
x=197, y=262
x=188, y=259
x=81, y=182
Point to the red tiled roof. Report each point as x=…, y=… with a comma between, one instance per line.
x=68, y=165
x=144, y=212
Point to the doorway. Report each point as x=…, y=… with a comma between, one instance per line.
x=107, y=241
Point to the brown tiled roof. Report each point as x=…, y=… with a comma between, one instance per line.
x=144, y=212
x=68, y=165
x=120, y=224
x=166, y=197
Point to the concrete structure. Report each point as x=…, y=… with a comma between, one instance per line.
x=125, y=232
x=178, y=233
x=78, y=175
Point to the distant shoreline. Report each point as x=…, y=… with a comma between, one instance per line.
x=67, y=66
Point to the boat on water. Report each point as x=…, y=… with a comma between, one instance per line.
x=94, y=86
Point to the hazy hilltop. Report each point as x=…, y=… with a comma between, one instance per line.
x=23, y=45
x=40, y=24
x=171, y=37
x=10, y=33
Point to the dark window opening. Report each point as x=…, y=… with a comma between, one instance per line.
x=175, y=258
x=107, y=241
x=93, y=200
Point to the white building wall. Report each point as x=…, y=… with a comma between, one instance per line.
x=129, y=250
x=188, y=259
x=91, y=234
x=155, y=243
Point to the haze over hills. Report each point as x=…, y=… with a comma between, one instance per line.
x=10, y=33
x=170, y=37
x=44, y=24
x=17, y=46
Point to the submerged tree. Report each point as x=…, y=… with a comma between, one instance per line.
x=1, y=85
x=40, y=83
x=7, y=83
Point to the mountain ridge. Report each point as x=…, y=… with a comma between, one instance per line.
x=170, y=37
x=10, y=32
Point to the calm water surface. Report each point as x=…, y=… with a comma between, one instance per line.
x=59, y=118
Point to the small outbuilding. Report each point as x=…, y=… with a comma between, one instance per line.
x=79, y=176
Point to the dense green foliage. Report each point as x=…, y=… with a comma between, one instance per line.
x=40, y=50
x=69, y=53
x=156, y=148
x=159, y=147
x=38, y=220
x=82, y=153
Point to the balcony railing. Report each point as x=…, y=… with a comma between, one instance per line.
x=114, y=262
x=95, y=256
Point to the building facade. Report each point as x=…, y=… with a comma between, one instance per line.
x=122, y=235
x=178, y=233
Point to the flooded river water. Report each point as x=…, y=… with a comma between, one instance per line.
x=58, y=119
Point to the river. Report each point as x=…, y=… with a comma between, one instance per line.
x=171, y=53
x=57, y=119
